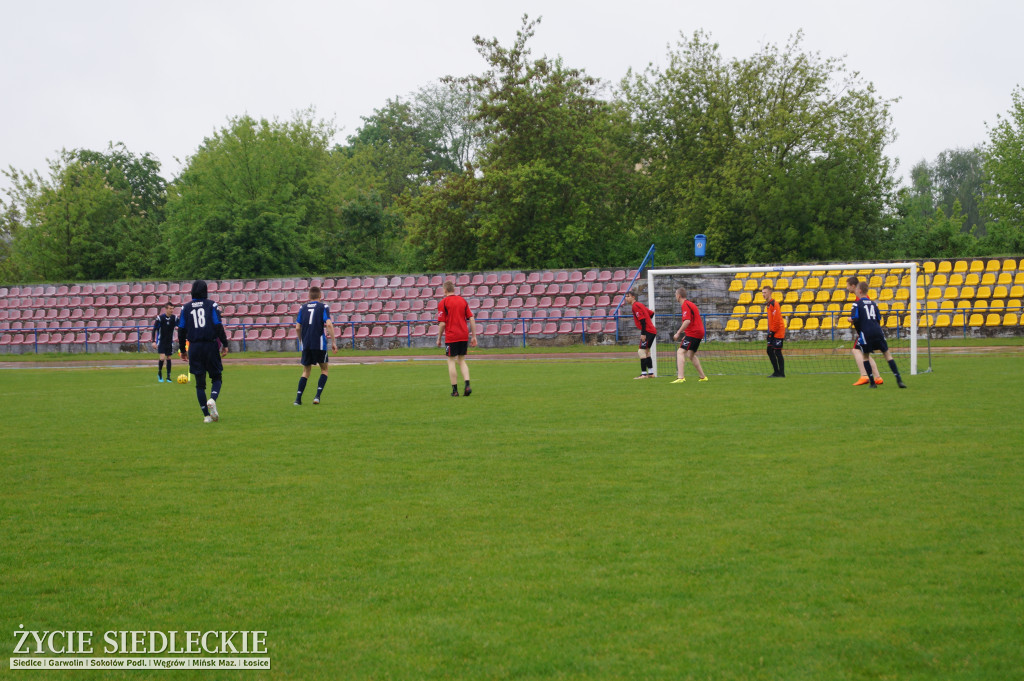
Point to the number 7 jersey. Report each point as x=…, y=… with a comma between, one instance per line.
x=312, y=320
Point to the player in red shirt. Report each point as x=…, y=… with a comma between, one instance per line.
x=453, y=313
x=648, y=333
x=692, y=331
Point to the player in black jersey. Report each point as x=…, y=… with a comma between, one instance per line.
x=200, y=325
x=868, y=323
x=163, y=340
x=313, y=326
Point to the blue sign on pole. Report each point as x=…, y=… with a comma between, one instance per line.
x=700, y=244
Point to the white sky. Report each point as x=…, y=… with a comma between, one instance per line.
x=160, y=76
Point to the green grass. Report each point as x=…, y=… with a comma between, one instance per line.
x=564, y=522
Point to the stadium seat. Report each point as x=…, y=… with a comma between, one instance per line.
x=745, y=298
x=993, y=265
x=988, y=279
x=942, y=321
x=748, y=325
x=1005, y=279
x=960, y=266
x=1011, y=319
x=795, y=324
x=976, y=320
x=959, y=320
x=928, y=266
x=732, y=325
x=983, y=292
x=967, y=293
x=751, y=285
x=944, y=267
x=977, y=266
x=812, y=323
x=993, y=319
x=735, y=285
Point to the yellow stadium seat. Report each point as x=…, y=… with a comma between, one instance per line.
x=762, y=324
x=782, y=284
x=960, y=266
x=745, y=298
x=977, y=266
x=766, y=282
x=963, y=305
x=997, y=305
x=751, y=285
x=735, y=285
x=928, y=266
x=942, y=321
x=811, y=324
x=807, y=296
x=795, y=324
x=822, y=296
x=818, y=309
x=797, y=283
x=786, y=309
x=892, y=321
x=1011, y=319
x=950, y=292
x=966, y=292
x=939, y=280
x=924, y=321
x=1009, y=265
x=946, y=305
x=956, y=280
x=803, y=273
x=905, y=281
x=902, y=294
x=840, y=296
x=1013, y=305
x=892, y=281
x=983, y=292
x=922, y=279
x=739, y=311
x=884, y=307
x=945, y=266
x=935, y=293
x=828, y=282
x=843, y=322
x=1005, y=279
x=980, y=305
x=748, y=325
x=1017, y=291
x=993, y=266
x=1018, y=279
x=1000, y=292
x=802, y=309
x=791, y=297
x=976, y=320
x=972, y=279
x=898, y=306
x=753, y=310
x=886, y=294
x=732, y=325
x=826, y=324
x=988, y=279
x=813, y=282
x=958, y=320
x=993, y=319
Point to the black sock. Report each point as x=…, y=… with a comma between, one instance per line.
x=467, y=385
x=302, y=389
x=867, y=370
x=160, y=370
x=455, y=388
x=168, y=370
x=215, y=390
x=782, y=363
x=201, y=396
x=895, y=371
x=643, y=365
x=320, y=384
x=775, y=362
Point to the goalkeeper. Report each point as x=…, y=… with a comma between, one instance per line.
x=776, y=332
x=648, y=333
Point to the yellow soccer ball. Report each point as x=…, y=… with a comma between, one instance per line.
x=183, y=378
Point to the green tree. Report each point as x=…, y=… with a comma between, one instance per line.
x=1004, y=163
x=258, y=198
x=956, y=176
x=95, y=216
x=547, y=189
x=777, y=157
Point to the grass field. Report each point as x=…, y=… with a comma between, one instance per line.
x=564, y=522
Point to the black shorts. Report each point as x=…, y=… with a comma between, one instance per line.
x=775, y=342
x=314, y=356
x=647, y=340
x=690, y=343
x=204, y=358
x=456, y=349
x=165, y=348
x=873, y=344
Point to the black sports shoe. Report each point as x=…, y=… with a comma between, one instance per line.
x=467, y=392
x=455, y=393
x=900, y=383
x=873, y=385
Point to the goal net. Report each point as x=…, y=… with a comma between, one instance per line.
x=814, y=303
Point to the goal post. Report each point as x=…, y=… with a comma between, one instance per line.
x=814, y=303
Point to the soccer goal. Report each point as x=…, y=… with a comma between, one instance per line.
x=814, y=302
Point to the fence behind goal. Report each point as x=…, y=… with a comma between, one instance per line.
x=814, y=303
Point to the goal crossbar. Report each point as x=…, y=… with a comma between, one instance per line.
x=911, y=268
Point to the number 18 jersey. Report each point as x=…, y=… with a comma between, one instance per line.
x=200, y=319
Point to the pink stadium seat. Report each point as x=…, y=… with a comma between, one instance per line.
x=547, y=277
x=536, y=328
x=505, y=329
x=550, y=328
x=504, y=278
x=561, y=277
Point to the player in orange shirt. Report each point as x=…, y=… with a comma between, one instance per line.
x=776, y=332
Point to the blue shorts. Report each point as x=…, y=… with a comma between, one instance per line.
x=204, y=358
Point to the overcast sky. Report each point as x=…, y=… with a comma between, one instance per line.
x=162, y=76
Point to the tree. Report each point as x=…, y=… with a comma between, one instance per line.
x=96, y=216
x=956, y=176
x=1004, y=163
x=258, y=198
x=777, y=157
x=547, y=188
